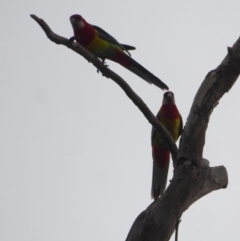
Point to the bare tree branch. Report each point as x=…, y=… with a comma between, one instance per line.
x=159, y=220
x=116, y=78
x=193, y=178
x=215, y=85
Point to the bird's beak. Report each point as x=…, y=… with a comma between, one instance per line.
x=76, y=23
x=73, y=21
x=168, y=98
x=169, y=95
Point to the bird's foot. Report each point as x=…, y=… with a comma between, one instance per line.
x=104, y=63
x=72, y=39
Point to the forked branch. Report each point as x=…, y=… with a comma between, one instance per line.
x=192, y=177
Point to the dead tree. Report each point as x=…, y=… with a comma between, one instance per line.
x=193, y=178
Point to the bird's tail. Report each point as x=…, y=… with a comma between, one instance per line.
x=159, y=179
x=143, y=73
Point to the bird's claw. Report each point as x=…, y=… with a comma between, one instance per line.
x=104, y=63
x=72, y=39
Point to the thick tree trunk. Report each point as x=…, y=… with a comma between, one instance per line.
x=192, y=177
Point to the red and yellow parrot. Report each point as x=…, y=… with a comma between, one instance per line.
x=171, y=119
x=104, y=46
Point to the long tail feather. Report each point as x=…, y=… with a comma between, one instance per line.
x=159, y=180
x=143, y=73
x=128, y=47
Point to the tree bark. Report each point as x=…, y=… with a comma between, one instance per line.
x=193, y=178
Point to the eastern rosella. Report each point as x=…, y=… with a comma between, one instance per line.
x=104, y=46
x=171, y=119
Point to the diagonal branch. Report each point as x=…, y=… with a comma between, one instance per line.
x=116, y=78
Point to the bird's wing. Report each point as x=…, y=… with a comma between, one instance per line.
x=106, y=36
x=181, y=126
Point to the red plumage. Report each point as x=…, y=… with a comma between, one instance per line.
x=104, y=46
x=171, y=119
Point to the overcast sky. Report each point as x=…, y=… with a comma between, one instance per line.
x=75, y=152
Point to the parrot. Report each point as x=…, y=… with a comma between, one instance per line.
x=171, y=119
x=104, y=46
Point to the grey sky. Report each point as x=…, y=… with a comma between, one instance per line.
x=75, y=154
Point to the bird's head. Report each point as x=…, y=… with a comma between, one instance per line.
x=77, y=21
x=168, y=98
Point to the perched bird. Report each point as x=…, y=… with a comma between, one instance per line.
x=171, y=119
x=104, y=46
